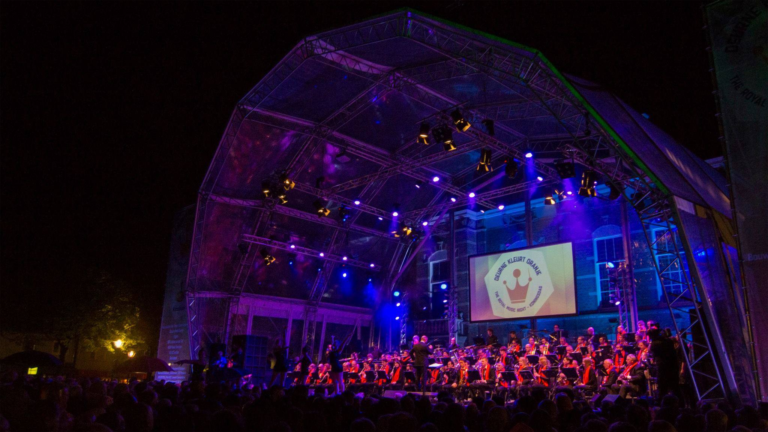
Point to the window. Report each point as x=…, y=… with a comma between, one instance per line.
x=439, y=283
x=673, y=277
x=607, y=249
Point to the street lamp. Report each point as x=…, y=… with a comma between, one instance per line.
x=131, y=354
x=118, y=343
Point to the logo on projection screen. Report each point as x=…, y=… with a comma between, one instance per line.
x=518, y=284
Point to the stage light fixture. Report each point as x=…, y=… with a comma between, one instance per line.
x=344, y=274
x=266, y=188
x=445, y=301
x=484, y=164
x=549, y=199
x=283, y=198
x=320, y=207
x=511, y=168
x=396, y=293
x=565, y=169
x=397, y=304
x=293, y=246
x=443, y=286
x=381, y=218
x=539, y=178
x=396, y=210
x=424, y=133
x=397, y=318
x=418, y=184
x=453, y=199
x=488, y=123
x=459, y=121
x=425, y=223
x=435, y=179
x=357, y=202
x=588, y=181
x=343, y=214
x=501, y=206
x=528, y=154
x=344, y=258
x=268, y=259
x=372, y=265
x=287, y=183
x=471, y=194
x=448, y=146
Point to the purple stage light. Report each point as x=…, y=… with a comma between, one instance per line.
x=293, y=246
x=344, y=258
x=395, y=214
x=528, y=155
x=501, y=206
x=381, y=218
x=435, y=179
x=425, y=223
x=373, y=265
x=453, y=199
x=471, y=194
x=357, y=202
x=540, y=178
x=322, y=254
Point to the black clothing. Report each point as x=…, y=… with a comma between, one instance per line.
x=281, y=365
x=663, y=352
x=305, y=362
x=492, y=340
x=419, y=354
x=334, y=358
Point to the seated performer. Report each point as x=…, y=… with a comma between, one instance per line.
x=539, y=377
x=609, y=379
x=544, y=348
x=513, y=340
x=588, y=378
x=642, y=351
x=491, y=339
x=632, y=379
x=531, y=350
x=396, y=377
x=449, y=375
x=504, y=388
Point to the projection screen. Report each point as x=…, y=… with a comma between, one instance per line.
x=534, y=282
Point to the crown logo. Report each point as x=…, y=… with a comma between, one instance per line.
x=518, y=293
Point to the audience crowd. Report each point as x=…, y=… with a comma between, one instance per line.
x=59, y=404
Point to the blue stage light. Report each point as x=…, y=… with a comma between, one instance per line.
x=397, y=304
x=397, y=318
x=344, y=274
x=528, y=155
x=471, y=194
x=443, y=286
x=396, y=293
x=435, y=179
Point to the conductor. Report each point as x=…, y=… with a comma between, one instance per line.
x=419, y=353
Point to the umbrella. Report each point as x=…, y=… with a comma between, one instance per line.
x=144, y=364
x=190, y=361
x=32, y=359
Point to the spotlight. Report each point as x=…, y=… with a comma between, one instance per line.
x=484, y=164
x=322, y=254
x=287, y=183
x=424, y=133
x=435, y=179
x=418, y=184
x=344, y=258
x=471, y=194
x=268, y=259
x=293, y=246
x=501, y=206
x=372, y=265
x=344, y=274
x=445, y=301
x=266, y=188
x=396, y=293
x=396, y=210
x=453, y=199
x=565, y=169
x=443, y=286
x=425, y=223
x=370, y=279
x=528, y=154
x=459, y=121
x=397, y=304
x=397, y=318
x=539, y=178
x=395, y=214
x=618, y=302
x=448, y=146
x=320, y=207
x=549, y=199
x=511, y=169
x=561, y=195
x=381, y=218
x=569, y=193
x=444, y=135
x=283, y=198
x=588, y=180
x=488, y=123
x=357, y=202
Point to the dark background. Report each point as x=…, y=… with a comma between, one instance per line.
x=111, y=112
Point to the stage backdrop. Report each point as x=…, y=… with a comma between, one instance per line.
x=525, y=283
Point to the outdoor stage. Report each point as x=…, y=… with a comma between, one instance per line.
x=372, y=181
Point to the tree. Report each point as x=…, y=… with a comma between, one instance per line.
x=99, y=311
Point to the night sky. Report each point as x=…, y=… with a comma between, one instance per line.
x=111, y=112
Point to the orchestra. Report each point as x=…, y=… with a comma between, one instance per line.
x=591, y=365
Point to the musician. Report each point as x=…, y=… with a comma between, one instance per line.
x=463, y=373
x=504, y=387
x=513, y=340
x=619, y=355
x=632, y=379
x=532, y=342
x=487, y=374
x=609, y=379
x=544, y=348
x=419, y=353
x=558, y=334
x=353, y=368
x=449, y=375
x=309, y=380
x=304, y=364
x=590, y=337
x=515, y=346
x=453, y=346
x=523, y=365
x=642, y=332
x=540, y=379
x=531, y=350
x=505, y=360
x=492, y=339
x=587, y=380
x=642, y=351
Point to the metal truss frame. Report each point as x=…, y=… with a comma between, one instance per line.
x=327, y=256
x=543, y=91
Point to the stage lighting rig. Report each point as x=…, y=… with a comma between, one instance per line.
x=283, y=198
x=549, y=199
x=444, y=134
x=459, y=121
x=268, y=259
x=321, y=208
x=424, y=133
x=484, y=164
x=565, y=169
x=511, y=169
x=614, y=192
x=343, y=214
x=267, y=189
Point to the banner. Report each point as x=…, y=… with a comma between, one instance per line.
x=739, y=34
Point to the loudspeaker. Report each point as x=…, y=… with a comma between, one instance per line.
x=213, y=352
x=394, y=394
x=614, y=399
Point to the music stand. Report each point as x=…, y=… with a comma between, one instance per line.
x=630, y=338
x=370, y=376
x=551, y=372
x=470, y=360
x=552, y=358
x=473, y=375
x=560, y=350
x=532, y=359
x=479, y=340
x=351, y=376
x=381, y=375
x=570, y=373
x=629, y=349
x=508, y=376
x=577, y=356
x=410, y=375
x=584, y=351
x=445, y=360
x=526, y=374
